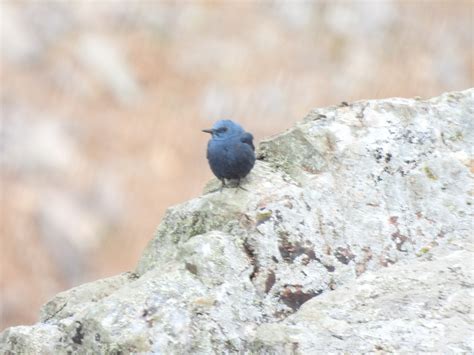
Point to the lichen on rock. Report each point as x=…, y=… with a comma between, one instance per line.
x=357, y=221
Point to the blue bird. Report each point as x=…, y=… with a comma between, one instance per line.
x=230, y=151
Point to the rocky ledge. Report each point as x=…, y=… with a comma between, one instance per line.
x=353, y=235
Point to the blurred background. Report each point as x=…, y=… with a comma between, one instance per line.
x=102, y=104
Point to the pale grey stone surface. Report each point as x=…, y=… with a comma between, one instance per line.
x=363, y=210
x=415, y=306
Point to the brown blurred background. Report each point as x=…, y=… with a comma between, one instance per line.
x=102, y=105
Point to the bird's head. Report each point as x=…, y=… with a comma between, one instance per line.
x=224, y=128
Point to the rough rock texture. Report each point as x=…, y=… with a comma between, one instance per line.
x=412, y=307
x=361, y=212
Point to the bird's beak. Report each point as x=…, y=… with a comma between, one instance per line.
x=208, y=131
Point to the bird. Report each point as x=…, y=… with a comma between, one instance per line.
x=230, y=151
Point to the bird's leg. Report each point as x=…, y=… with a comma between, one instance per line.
x=223, y=184
x=239, y=186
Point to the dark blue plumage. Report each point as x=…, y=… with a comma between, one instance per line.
x=230, y=151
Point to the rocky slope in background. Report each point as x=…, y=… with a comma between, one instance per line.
x=353, y=234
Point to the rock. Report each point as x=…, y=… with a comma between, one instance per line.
x=351, y=235
x=415, y=306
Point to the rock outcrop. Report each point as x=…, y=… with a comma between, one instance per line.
x=353, y=234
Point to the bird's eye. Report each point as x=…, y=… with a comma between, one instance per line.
x=224, y=129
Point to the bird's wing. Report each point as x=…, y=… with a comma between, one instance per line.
x=247, y=138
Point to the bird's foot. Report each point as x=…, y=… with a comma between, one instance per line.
x=240, y=186
x=236, y=185
x=220, y=188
